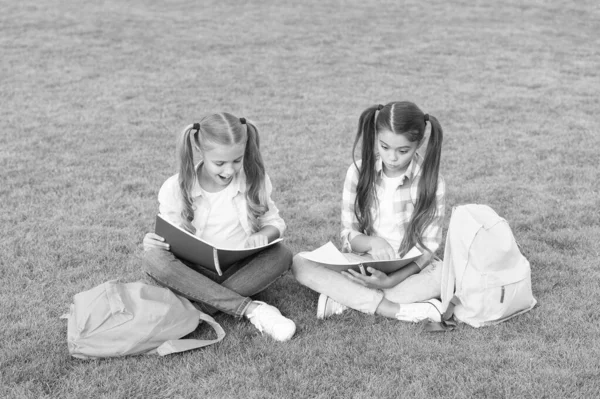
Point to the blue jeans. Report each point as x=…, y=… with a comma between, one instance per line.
x=229, y=294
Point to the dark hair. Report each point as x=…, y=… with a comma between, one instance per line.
x=223, y=129
x=401, y=118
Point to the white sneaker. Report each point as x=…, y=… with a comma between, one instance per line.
x=419, y=311
x=328, y=307
x=267, y=318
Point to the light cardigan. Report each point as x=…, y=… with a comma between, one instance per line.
x=405, y=198
x=171, y=204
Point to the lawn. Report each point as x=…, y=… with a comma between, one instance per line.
x=93, y=95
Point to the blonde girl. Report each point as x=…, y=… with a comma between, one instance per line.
x=393, y=200
x=224, y=199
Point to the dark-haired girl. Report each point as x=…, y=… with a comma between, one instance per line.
x=224, y=199
x=393, y=200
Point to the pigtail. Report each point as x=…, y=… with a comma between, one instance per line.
x=365, y=187
x=187, y=174
x=256, y=193
x=426, y=206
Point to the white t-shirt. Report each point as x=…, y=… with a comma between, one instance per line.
x=171, y=204
x=223, y=228
x=385, y=224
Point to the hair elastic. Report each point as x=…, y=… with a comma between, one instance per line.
x=426, y=118
x=379, y=107
x=196, y=126
x=243, y=121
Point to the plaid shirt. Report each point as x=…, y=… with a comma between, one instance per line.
x=405, y=198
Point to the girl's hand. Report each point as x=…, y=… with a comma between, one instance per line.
x=381, y=249
x=377, y=279
x=154, y=241
x=257, y=240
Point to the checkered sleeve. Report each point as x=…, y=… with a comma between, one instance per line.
x=432, y=236
x=349, y=221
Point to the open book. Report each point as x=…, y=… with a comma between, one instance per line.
x=195, y=250
x=328, y=254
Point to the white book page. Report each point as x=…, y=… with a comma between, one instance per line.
x=330, y=255
x=413, y=253
x=327, y=254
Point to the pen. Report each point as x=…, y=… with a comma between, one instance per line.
x=362, y=269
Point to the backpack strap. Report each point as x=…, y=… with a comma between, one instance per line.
x=448, y=322
x=181, y=345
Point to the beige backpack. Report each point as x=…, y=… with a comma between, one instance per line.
x=485, y=278
x=118, y=319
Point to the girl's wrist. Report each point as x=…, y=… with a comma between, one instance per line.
x=271, y=232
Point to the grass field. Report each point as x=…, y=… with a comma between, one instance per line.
x=93, y=94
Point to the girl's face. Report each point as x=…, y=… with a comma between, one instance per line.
x=221, y=163
x=396, y=152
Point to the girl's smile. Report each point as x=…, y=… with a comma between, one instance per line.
x=226, y=180
x=222, y=162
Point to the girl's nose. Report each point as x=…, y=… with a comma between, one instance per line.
x=229, y=170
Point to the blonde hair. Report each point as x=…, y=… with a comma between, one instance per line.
x=224, y=129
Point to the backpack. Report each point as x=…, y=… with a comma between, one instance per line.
x=118, y=319
x=485, y=278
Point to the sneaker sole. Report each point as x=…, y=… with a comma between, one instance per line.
x=432, y=314
x=321, y=307
x=288, y=336
x=437, y=315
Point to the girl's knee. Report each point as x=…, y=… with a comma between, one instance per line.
x=299, y=265
x=286, y=256
x=155, y=262
x=295, y=263
x=279, y=257
x=148, y=259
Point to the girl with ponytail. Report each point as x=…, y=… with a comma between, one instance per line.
x=225, y=199
x=393, y=200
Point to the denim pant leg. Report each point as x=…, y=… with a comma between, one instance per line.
x=419, y=287
x=328, y=280
x=230, y=296
x=252, y=275
x=259, y=271
x=171, y=272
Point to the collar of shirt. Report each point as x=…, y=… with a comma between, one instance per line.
x=238, y=184
x=413, y=170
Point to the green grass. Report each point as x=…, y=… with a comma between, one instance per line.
x=93, y=94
